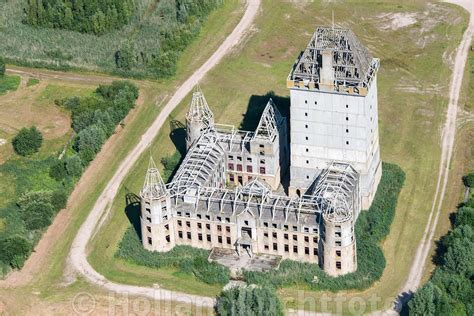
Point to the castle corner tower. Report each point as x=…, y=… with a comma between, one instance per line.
x=334, y=117
x=198, y=118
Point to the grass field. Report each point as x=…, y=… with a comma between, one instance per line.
x=412, y=100
x=47, y=291
x=8, y=83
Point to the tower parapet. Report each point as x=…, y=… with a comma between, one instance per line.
x=198, y=118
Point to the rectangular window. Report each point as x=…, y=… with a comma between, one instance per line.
x=188, y=214
x=219, y=228
x=275, y=246
x=262, y=170
x=178, y=213
x=315, y=240
x=218, y=218
x=188, y=224
x=200, y=236
x=306, y=250
x=338, y=243
x=274, y=225
x=208, y=217
x=295, y=249
x=274, y=235
x=150, y=242
x=240, y=180
x=180, y=234
x=287, y=248
x=306, y=229
x=295, y=228
x=219, y=239
x=265, y=235
x=239, y=158
x=266, y=247
x=228, y=240
x=227, y=219
x=167, y=238
x=231, y=166
x=148, y=228
x=180, y=223
x=315, y=251
x=208, y=226
x=199, y=225
x=337, y=234
x=338, y=265
x=261, y=145
x=249, y=159
x=209, y=238
x=231, y=157
x=165, y=217
x=167, y=227
x=306, y=238
x=249, y=169
x=227, y=229
x=239, y=167
x=265, y=224
x=231, y=177
x=295, y=237
x=338, y=253
x=188, y=234
x=148, y=210
x=285, y=236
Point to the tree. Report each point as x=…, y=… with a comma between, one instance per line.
x=468, y=180
x=2, y=66
x=465, y=216
x=15, y=250
x=57, y=170
x=59, y=199
x=27, y=141
x=37, y=215
x=423, y=302
x=249, y=300
x=74, y=166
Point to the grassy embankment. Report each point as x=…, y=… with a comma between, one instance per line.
x=153, y=94
x=413, y=86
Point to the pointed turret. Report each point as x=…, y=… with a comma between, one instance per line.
x=268, y=126
x=154, y=187
x=198, y=118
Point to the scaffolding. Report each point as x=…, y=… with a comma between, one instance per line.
x=199, y=110
x=353, y=66
x=267, y=128
x=154, y=187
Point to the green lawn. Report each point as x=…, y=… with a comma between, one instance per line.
x=412, y=100
x=9, y=83
x=32, y=82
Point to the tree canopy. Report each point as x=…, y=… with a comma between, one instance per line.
x=91, y=16
x=2, y=66
x=249, y=300
x=27, y=141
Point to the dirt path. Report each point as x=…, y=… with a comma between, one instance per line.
x=78, y=254
x=447, y=143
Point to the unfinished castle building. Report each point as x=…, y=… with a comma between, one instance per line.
x=225, y=194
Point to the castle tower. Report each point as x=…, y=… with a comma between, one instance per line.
x=270, y=144
x=198, y=118
x=333, y=89
x=156, y=227
x=338, y=194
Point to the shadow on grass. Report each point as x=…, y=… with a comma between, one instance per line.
x=178, y=136
x=256, y=106
x=132, y=210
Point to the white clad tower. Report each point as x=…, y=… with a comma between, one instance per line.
x=334, y=118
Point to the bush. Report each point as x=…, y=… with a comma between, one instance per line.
x=465, y=216
x=249, y=301
x=14, y=250
x=184, y=258
x=28, y=141
x=2, y=66
x=37, y=215
x=468, y=180
x=59, y=199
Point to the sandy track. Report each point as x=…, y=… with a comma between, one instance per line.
x=447, y=143
x=78, y=254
